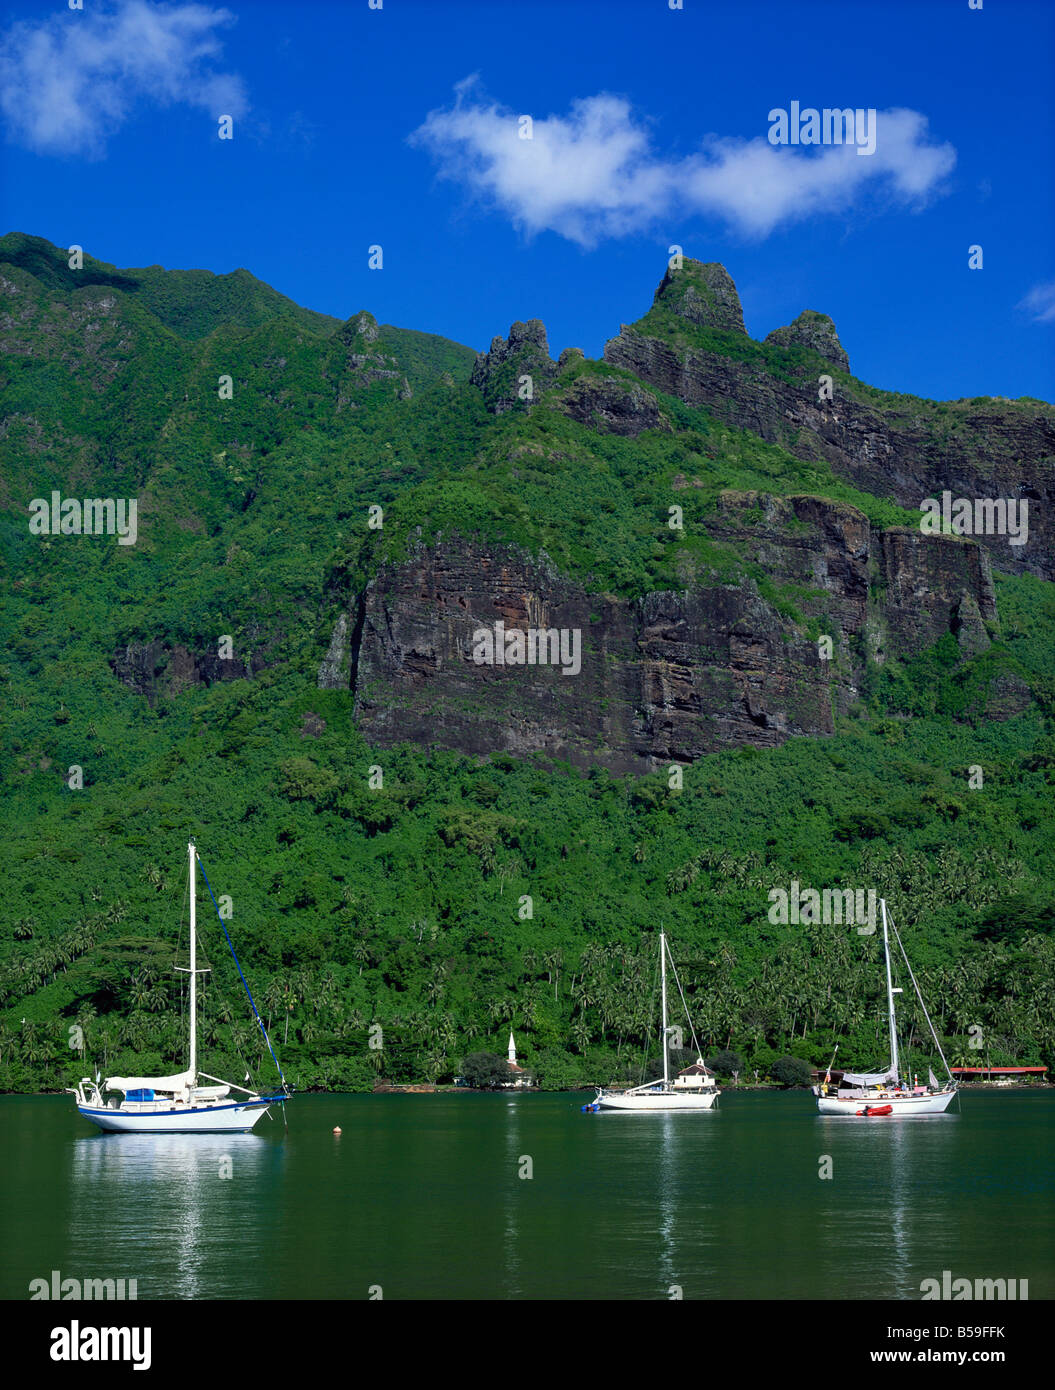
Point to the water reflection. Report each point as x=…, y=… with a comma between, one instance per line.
x=667, y=1173
x=422, y=1196
x=511, y=1232
x=881, y=1224
x=171, y=1210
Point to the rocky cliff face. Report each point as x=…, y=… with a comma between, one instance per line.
x=783, y=604
x=887, y=445
x=815, y=332
x=703, y=295
x=664, y=678
x=516, y=369
x=161, y=669
x=363, y=363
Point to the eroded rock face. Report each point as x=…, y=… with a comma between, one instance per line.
x=499, y=372
x=362, y=363
x=671, y=676
x=667, y=677
x=816, y=332
x=926, y=580
x=614, y=404
x=703, y=295
x=161, y=669
x=983, y=450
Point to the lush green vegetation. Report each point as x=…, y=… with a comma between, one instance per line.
x=403, y=905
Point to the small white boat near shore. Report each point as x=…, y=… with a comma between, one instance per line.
x=693, y=1089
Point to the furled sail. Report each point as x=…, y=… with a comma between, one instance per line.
x=179, y=1082
x=867, y=1078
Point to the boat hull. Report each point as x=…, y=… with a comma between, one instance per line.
x=658, y=1101
x=900, y=1106
x=212, y=1119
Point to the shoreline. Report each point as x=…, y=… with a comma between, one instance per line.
x=425, y=1088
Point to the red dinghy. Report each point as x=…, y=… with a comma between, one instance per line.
x=877, y=1110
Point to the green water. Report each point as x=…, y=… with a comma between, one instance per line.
x=421, y=1195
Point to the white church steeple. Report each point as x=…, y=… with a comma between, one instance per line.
x=512, y=1054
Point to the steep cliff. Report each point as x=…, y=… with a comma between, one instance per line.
x=669, y=676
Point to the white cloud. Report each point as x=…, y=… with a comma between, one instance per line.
x=595, y=172
x=1040, y=302
x=69, y=82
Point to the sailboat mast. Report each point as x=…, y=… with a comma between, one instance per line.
x=890, y=995
x=663, y=992
x=193, y=969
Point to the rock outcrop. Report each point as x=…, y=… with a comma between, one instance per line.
x=363, y=364
x=815, y=332
x=161, y=669
x=614, y=404
x=702, y=294
x=516, y=369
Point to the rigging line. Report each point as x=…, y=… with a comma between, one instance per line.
x=239, y=969
x=919, y=996
x=688, y=1016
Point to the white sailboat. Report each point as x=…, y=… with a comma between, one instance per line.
x=694, y=1088
x=176, y=1104
x=886, y=1093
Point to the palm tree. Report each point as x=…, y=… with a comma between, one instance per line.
x=488, y=858
x=271, y=998
x=507, y=871
x=31, y=1045
x=85, y=1017
x=495, y=1009
x=552, y=962
x=683, y=877
x=154, y=877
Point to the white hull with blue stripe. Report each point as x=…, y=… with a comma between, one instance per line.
x=178, y=1104
x=130, y=1118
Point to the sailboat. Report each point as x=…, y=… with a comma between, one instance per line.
x=694, y=1088
x=178, y=1104
x=886, y=1093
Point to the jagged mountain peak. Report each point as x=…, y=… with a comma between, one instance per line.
x=500, y=372
x=815, y=331
x=702, y=293
x=361, y=326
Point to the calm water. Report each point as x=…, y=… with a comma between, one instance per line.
x=421, y=1195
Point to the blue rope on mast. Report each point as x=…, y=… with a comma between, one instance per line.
x=230, y=943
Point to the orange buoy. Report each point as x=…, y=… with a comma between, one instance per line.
x=336, y=1129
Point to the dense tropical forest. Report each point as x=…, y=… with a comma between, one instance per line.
x=354, y=904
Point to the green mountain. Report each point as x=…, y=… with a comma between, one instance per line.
x=782, y=679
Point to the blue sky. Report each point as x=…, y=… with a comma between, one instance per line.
x=650, y=129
